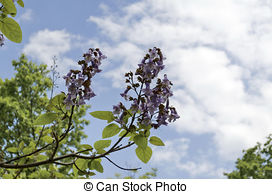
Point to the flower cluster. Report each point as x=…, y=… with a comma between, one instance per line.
x=151, y=104
x=2, y=39
x=79, y=81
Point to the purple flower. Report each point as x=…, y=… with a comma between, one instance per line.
x=81, y=100
x=88, y=94
x=134, y=106
x=151, y=103
x=79, y=81
x=117, y=109
x=174, y=115
x=68, y=101
x=124, y=94
x=120, y=120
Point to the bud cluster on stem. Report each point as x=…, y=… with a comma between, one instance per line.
x=2, y=39
x=79, y=81
x=151, y=104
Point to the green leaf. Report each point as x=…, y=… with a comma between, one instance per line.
x=75, y=170
x=12, y=149
x=10, y=7
x=11, y=29
x=52, y=167
x=7, y=176
x=124, y=132
x=59, y=175
x=21, y=145
x=110, y=130
x=101, y=151
x=82, y=164
x=144, y=154
x=132, y=137
x=46, y=118
x=103, y=115
x=86, y=147
x=56, y=104
x=156, y=141
x=97, y=166
x=27, y=150
x=140, y=141
x=146, y=127
x=21, y=3
x=41, y=158
x=91, y=173
x=101, y=144
x=127, y=116
x=47, y=139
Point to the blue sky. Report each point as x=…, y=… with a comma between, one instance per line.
x=218, y=57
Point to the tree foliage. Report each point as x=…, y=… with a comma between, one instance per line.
x=8, y=26
x=256, y=162
x=22, y=99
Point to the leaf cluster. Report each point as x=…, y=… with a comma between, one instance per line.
x=255, y=163
x=23, y=101
x=8, y=26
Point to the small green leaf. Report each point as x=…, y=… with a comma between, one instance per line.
x=47, y=139
x=124, y=132
x=103, y=115
x=12, y=149
x=32, y=144
x=91, y=173
x=56, y=104
x=101, y=144
x=27, y=150
x=132, y=137
x=101, y=151
x=21, y=3
x=144, y=154
x=82, y=164
x=86, y=147
x=146, y=127
x=140, y=141
x=10, y=7
x=52, y=167
x=75, y=170
x=7, y=176
x=41, y=158
x=97, y=166
x=21, y=145
x=46, y=118
x=59, y=175
x=127, y=116
x=110, y=130
x=156, y=141
x=11, y=29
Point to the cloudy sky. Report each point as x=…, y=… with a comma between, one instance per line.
x=218, y=57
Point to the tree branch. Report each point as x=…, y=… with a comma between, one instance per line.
x=132, y=169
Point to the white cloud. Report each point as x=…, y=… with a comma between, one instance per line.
x=218, y=56
x=175, y=155
x=45, y=44
x=26, y=15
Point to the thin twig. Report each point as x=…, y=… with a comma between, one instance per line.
x=131, y=169
x=64, y=164
x=56, y=146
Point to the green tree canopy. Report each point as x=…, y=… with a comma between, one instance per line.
x=256, y=162
x=22, y=99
